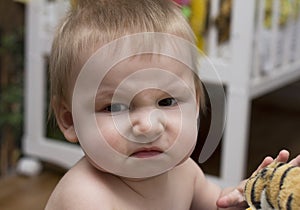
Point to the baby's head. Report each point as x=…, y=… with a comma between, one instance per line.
x=146, y=99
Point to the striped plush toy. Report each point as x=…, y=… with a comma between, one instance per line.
x=276, y=187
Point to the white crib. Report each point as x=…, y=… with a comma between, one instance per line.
x=246, y=72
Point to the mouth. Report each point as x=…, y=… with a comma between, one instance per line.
x=146, y=152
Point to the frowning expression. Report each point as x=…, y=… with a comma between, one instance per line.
x=139, y=105
x=136, y=116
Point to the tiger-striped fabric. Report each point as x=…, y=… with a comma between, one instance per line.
x=276, y=187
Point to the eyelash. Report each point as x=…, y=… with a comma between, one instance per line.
x=171, y=102
x=118, y=107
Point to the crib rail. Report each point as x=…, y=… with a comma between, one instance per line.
x=276, y=54
x=279, y=38
x=276, y=46
x=261, y=54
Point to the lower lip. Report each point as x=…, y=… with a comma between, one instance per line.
x=146, y=154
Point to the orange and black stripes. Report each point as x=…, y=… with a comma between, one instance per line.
x=274, y=187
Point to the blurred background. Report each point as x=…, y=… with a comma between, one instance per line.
x=273, y=122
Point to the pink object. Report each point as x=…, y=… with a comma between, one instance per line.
x=182, y=2
x=185, y=2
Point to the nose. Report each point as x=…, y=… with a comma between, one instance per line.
x=148, y=124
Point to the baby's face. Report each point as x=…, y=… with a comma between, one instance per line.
x=145, y=111
x=140, y=105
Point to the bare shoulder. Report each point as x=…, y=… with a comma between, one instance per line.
x=82, y=187
x=201, y=193
x=205, y=192
x=191, y=169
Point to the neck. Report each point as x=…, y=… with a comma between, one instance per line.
x=149, y=187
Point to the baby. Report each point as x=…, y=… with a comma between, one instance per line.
x=124, y=84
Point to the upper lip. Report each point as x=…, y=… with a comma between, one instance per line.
x=147, y=149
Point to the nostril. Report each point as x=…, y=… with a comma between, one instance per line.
x=148, y=124
x=139, y=129
x=148, y=133
x=147, y=136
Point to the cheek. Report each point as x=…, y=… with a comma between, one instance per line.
x=182, y=123
x=174, y=126
x=111, y=134
x=181, y=126
x=186, y=125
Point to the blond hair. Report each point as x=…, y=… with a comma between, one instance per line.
x=92, y=23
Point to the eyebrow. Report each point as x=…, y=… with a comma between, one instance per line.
x=182, y=86
x=110, y=93
x=173, y=86
x=105, y=92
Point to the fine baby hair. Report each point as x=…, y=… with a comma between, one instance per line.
x=93, y=23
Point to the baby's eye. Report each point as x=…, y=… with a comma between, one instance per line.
x=116, y=108
x=167, y=102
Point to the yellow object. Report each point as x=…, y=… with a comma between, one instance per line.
x=223, y=21
x=73, y=3
x=295, y=9
x=198, y=20
x=22, y=1
x=285, y=11
x=275, y=187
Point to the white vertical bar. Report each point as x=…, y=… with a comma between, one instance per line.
x=274, y=49
x=48, y=20
x=34, y=78
x=258, y=38
x=34, y=141
x=294, y=36
x=288, y=38
x=234, y=148
x=297, y=51
x=213, y=33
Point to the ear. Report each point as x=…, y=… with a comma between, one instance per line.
x=64, y=119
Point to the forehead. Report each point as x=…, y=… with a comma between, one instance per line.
x=148, y=67
x=112, y=62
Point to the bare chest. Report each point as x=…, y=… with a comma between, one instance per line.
x=176, y=197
